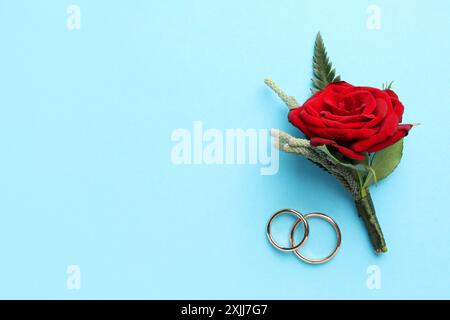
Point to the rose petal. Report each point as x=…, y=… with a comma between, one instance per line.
x=387, y=128
x=294, y=118
x=337, y=124
x=338, y=87
x=348, y=134
x=391, y=94
x=347, y=119
x=401, y=132
x=345, y=151
x=379, y=115
x=310, y=120
x=358, y=100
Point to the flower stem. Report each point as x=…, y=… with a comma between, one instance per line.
x=366, y=211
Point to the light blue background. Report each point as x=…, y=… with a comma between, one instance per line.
x=85, y=171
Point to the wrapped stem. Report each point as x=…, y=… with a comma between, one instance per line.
x=366, y=211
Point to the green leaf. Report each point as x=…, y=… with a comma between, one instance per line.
x=384, y=162
x=322, y=67
x=361, y=167
x=387, y=85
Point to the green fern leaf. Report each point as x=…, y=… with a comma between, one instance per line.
x=322, y=68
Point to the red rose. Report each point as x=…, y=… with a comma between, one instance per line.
x=351, y=119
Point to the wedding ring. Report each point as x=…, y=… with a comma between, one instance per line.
x=300, y=219
x=338, y=234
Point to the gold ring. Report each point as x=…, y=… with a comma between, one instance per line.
x=300, y=219
x=338, y=234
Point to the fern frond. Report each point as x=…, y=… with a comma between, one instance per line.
x=323, y=70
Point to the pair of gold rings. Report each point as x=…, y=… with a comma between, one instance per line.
x=303, y=219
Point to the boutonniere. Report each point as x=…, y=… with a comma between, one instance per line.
x=353, y=132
